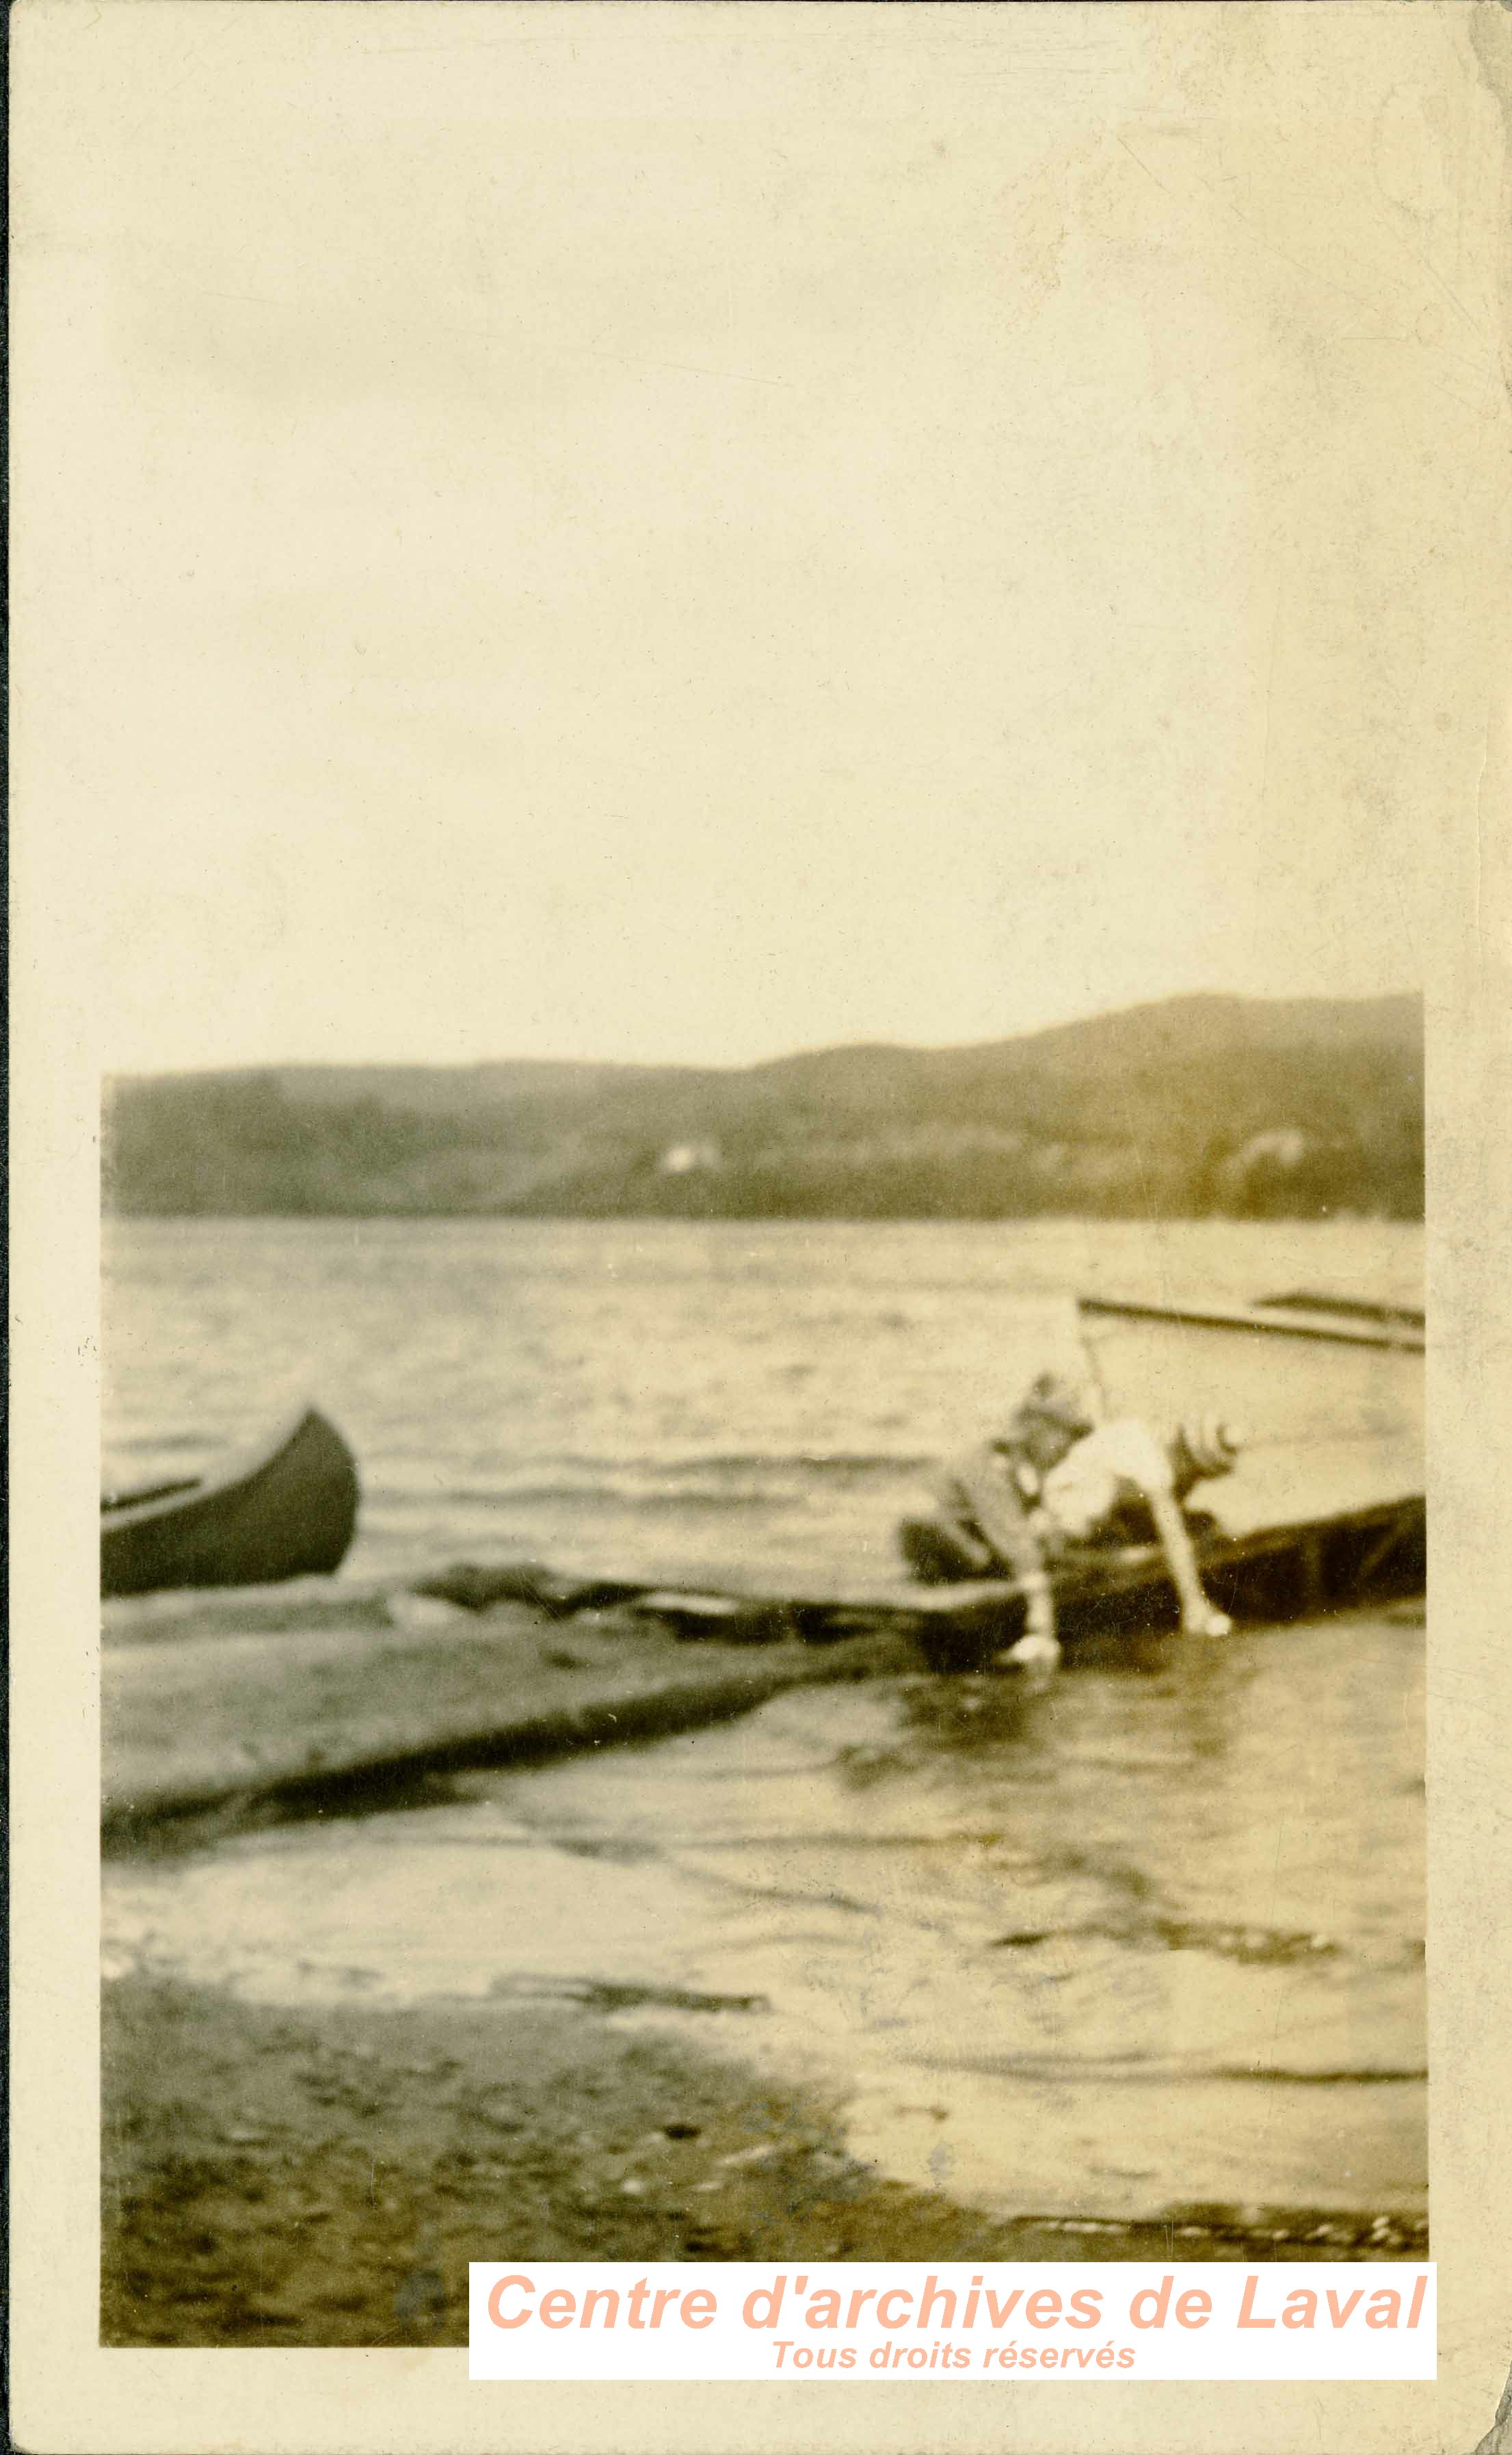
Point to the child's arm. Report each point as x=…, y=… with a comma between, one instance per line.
x=1198, y=1618
x=1145, y=1465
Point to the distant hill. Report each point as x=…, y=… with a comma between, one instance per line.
x=1197, y=1106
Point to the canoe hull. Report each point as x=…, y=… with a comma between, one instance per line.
x=287, y=1510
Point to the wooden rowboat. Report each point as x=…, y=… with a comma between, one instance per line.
x=1305, y=1300
x=286, y=1509
x=1344, y=1321
x=1302, y=1570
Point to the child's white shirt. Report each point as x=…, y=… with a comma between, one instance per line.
x=1116, y=1462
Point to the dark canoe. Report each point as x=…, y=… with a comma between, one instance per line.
x=286, y=1509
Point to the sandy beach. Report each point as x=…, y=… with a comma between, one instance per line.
x=323, y=2178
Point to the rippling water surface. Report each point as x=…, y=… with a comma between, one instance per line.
x=1152, y=1938
x=655, y=1393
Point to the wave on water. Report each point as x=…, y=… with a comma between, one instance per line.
x=549, y=1385
x=749, y=1479
x=712, y=1462
x=603, y=1496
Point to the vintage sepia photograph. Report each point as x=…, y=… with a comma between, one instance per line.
x=768, y=736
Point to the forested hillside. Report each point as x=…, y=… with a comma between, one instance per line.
x=1197, y=1106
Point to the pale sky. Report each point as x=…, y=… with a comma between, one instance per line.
x=684, y=534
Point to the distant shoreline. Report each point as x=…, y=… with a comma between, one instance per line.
x=1201, y=1108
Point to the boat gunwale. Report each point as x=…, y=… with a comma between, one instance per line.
x=1125, y=1569
x=234, y=1471
x=1405, y=1340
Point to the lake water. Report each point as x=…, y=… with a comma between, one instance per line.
x=656, y=1393
x=1152, y=1938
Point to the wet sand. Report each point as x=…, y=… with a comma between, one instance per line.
x=323, y=2177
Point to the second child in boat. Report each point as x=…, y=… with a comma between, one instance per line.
x=1056, y=1480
